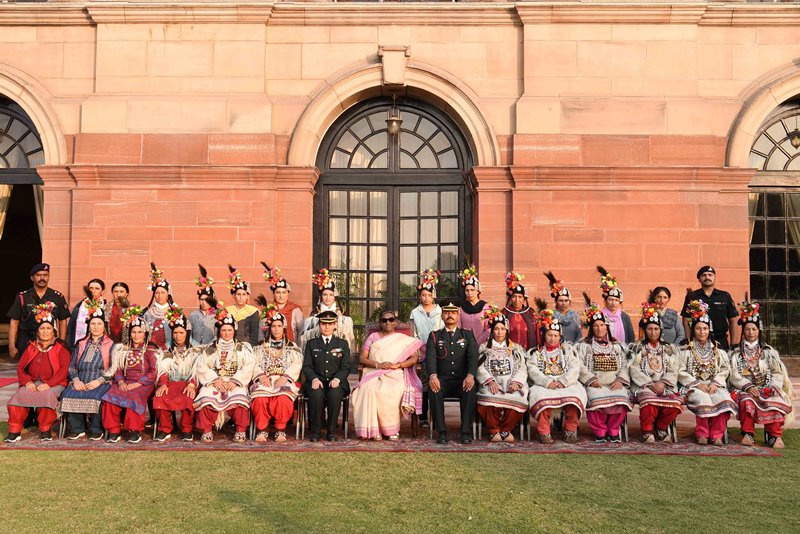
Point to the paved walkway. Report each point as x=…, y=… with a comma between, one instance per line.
x=685, y=420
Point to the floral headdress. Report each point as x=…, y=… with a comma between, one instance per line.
x=235, y=281
x=175, y=317
x=469, y=277
x=132, y=316
x=698, y=310
x=557, y=287
x=157, y=278
x=748, y=312
x=94, y=308
x=324, y=280
x=429, y=278
x=274, y=278
x=608, y=283
x=492, y=315
x=43, y=313
x=204, y=283
x=513, y=284
x=650, y=314
x=223, y=317
x=549, y=321
x=592, y=312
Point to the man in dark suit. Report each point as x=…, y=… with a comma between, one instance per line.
x=451, y=363
x=326, y=365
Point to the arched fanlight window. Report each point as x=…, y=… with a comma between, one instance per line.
x=423, y=143
x=777, y=146
x=20, y=146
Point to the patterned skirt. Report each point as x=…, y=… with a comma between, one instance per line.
x=37, y=399
x=764, y=409
x=646, y=397
x=135, y=400
x=74, y=401
x=174, y=399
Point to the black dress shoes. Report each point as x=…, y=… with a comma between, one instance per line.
x=442, y=438
x=466, y=439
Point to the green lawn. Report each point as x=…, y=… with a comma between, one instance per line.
x=302, y=492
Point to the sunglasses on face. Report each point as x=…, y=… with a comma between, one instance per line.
x=387, y=319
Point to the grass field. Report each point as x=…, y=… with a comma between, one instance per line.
x=422, y=492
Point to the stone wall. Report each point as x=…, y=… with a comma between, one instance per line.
x=601, y=131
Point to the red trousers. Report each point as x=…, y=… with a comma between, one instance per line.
x=570, y=420
x=18, y=414
x=711, y=427
x=748, y=425
x=207, y=416
x=661, y=416
x=111, y=419
x=165, y=420
x=279, y=408
x=499, y=419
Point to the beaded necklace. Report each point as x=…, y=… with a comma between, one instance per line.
x=603, y=357
x=704, y=361
x=552, y=361
x=133, y=357
x=654, y=358
x=749, y=364
x=227, y=367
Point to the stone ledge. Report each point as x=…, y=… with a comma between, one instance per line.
x=613, y=178
x=179, y=176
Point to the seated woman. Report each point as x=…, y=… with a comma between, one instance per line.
x=327, y=302
x=133, y=381
x=502, y=379
x=223, y=370
x=90, y=372
x=277, y=369
x=176, y=386
x=703, y=371
x=761, y=386
x=554, y=369
x=654, y=378
x=605, y=376
x=42, y=373
x=389, y=387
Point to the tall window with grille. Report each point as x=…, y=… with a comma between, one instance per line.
x=389, y=205
x=775, y=227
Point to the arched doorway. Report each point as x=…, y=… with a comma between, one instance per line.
x=20, y=200
x=389, y=205
x=775, y=225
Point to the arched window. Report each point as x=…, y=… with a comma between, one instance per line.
x=775, y=226
x=20, y=146
x=388, y=206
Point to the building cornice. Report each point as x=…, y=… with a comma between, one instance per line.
x=325, y=13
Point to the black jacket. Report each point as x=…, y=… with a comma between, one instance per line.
x=327, y=363
x=453, y=356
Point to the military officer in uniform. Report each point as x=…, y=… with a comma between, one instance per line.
x=326, y=365
x=451, y=365
x=22, y=327
x=721, y=309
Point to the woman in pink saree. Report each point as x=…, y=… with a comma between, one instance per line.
x=389, y=387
